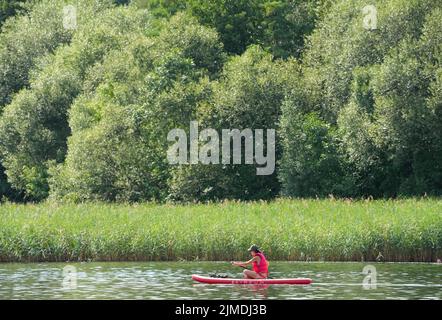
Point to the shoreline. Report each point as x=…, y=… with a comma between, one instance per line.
x=218, y=262
x=288, y=230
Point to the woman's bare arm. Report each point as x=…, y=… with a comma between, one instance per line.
x=246, y=263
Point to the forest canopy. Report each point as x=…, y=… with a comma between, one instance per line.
x=355, y=97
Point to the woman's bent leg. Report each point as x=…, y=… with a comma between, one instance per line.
x=249, y=274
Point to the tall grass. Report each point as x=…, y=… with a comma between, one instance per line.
x=330, y=230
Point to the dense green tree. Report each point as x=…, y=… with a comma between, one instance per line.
x=119, y=134
x=161, y=8
x=372, y=90
x=34, y=126
x=278, y=26
x=27, y=38
x=354, y=93
x=248, y=96
x=406, y=117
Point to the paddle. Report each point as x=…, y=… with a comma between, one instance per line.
x=223, y=275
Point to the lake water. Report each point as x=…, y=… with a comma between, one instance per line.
x=172, y=280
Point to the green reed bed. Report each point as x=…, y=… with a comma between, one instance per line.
x=330, y=230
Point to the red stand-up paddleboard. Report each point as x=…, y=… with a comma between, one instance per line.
x=250, y=281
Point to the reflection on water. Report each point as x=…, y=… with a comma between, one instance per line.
x=161, y=280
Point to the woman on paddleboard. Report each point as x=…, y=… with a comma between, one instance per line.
x=259, y=263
